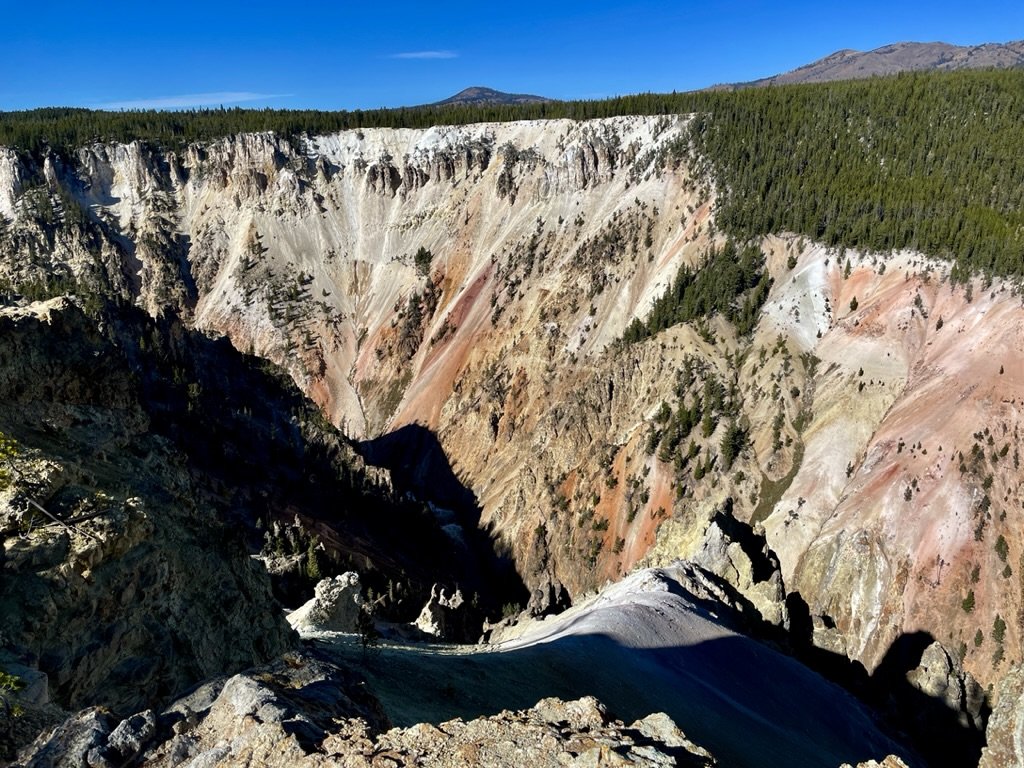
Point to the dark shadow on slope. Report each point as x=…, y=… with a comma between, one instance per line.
x=419, y=466
x=941, y=734
x=265, y=453
x=936, y=731
x=745, y=703
x=418, y=463
x=243, y=422
x=849, y=673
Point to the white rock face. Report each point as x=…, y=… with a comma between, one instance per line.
x=334, y=607
x=10, y=181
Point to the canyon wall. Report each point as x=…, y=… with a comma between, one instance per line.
x=476, y=281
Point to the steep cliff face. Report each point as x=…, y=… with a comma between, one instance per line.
x=115, y=583
x=475, y=280
x=132, y=501
x=902, y=510
x=306, y=257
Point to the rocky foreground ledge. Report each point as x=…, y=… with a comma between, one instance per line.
x=648, y=634
x=305, y=711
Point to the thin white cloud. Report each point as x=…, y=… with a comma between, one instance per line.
x=190, y=100
x=425, y=55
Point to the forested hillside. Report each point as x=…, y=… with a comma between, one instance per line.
x=927, y=162
x=924, y=161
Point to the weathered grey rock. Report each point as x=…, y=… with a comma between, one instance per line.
x=278, y=716
x=1005, y=733
x=941, y=676
x=760, y=582
x=554, y=733
x=582, y=714
x=444, y=615
x=78, y=742
x=661, y=727
x=334, y=607
x=243, y=696
x=143, y=590
x=131, y=734
x=891, y=761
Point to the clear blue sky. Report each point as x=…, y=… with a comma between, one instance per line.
x=343, y=55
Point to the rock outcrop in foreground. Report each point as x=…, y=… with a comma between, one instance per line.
x=119, y=580
x=889, y=762
x=307, y=713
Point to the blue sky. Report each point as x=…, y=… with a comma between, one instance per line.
x=343, y=55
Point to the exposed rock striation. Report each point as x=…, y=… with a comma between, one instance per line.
x=134, y=594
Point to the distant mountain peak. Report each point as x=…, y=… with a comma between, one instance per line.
x=849, y=64
x=479, y=94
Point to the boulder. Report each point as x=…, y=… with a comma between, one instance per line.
x=661, y=728
x=131, y=734
x=583, y=714
x=335, y=606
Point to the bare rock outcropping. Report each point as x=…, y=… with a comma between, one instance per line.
x=740, y=556
x=113, y=584
x=889, y=762
x=941, y=678
x=447, y=616
x=334, y=607
x=1005, y=733
x=305, y=712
